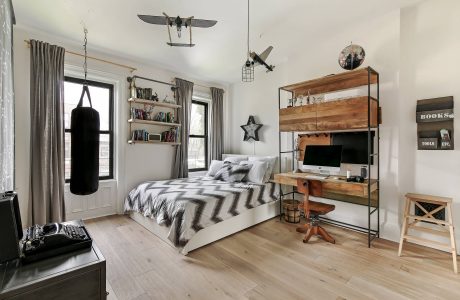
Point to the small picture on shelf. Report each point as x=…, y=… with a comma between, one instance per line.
x=445, y=139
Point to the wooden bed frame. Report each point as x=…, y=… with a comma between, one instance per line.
x=215, y=232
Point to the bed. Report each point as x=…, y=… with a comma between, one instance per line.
x=189, y=213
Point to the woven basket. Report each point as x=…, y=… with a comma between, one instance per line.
x=291, y=211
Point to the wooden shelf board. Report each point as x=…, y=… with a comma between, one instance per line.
x=333, y=83
x=153, y=123
x=153, y=142
x=153, y=103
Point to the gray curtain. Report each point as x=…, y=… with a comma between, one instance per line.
x=46, y=133
x=217, y=123
x=6, y=97
x=184, y=94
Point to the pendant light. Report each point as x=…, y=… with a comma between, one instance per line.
x=247, y=71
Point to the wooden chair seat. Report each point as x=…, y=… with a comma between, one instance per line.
x=318, y=208
x=312, y=210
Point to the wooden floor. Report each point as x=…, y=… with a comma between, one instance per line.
x=269, y=261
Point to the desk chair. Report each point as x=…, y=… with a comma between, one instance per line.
x=313, y=210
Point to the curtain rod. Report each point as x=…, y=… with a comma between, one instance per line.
x=132, y=69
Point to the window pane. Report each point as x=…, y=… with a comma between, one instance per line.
x=100, y=98
x=67, y=141
x=104, y=155
x=197, y=120
x=196, y=153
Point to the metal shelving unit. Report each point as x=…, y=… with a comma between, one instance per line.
x=352, y=79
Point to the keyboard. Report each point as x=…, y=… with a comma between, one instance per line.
x=316, y=177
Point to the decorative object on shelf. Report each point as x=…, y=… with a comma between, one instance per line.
x=155, y=97
x=351, y=57
x=178, y=22
x=435, y=124
x=251, y=129
x=154, y=137
x=132, y=88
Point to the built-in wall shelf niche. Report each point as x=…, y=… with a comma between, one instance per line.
x=435, y=123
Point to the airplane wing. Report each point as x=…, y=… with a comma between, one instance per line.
x=203, y=23
x=157, y=20
x=264, y=55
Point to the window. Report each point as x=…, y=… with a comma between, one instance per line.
x=102, y=99
x=198, y=139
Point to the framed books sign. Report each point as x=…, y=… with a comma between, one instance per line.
x=435, y=123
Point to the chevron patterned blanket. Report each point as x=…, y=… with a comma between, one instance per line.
x=188, y=205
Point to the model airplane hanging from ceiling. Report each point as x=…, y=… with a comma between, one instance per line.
x=179, y=23
x=261, y=59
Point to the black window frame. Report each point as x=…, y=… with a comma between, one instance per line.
x=205, y=136
x=110, y=132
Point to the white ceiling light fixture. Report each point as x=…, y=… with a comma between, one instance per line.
x=247, y=71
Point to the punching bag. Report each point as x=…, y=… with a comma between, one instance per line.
x=84, y=172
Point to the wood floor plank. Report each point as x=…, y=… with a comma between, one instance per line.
x=269, y=261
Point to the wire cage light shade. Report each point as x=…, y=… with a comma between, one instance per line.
x=247, y=72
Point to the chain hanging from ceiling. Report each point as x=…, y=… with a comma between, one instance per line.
x=247, y=71
x=85, y=63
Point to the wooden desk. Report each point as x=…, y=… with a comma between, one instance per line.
x=75, y=275
x=336, y=189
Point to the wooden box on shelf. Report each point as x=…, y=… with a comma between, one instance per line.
x=301, y=118
x=333, y=115
x=346, y=114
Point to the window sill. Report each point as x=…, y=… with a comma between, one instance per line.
x=103, y=181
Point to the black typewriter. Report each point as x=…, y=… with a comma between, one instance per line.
x=52, y=239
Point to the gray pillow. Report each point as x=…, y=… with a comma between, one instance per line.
x=235, y=160
x=232, y=173
x=215, y=166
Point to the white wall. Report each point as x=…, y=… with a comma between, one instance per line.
x=416, y=52
x=430, y=47
x=133, y=164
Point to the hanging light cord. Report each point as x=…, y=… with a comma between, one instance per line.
x=248, y=30
x=85, y=64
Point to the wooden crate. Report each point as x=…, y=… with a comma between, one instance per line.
x=346, y=114
x=301, y=118
x=334, y=82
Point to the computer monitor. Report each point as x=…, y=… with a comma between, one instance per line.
x=322, y=159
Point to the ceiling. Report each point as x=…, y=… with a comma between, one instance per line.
x=220, y=51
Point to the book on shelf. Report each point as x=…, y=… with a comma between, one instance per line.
x=170, y=136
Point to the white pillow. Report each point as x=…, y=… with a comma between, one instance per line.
x=235, y=160
x=271, y=160
x=257, y=172
x=215, y=166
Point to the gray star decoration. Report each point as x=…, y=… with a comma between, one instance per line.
x=251, y=129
